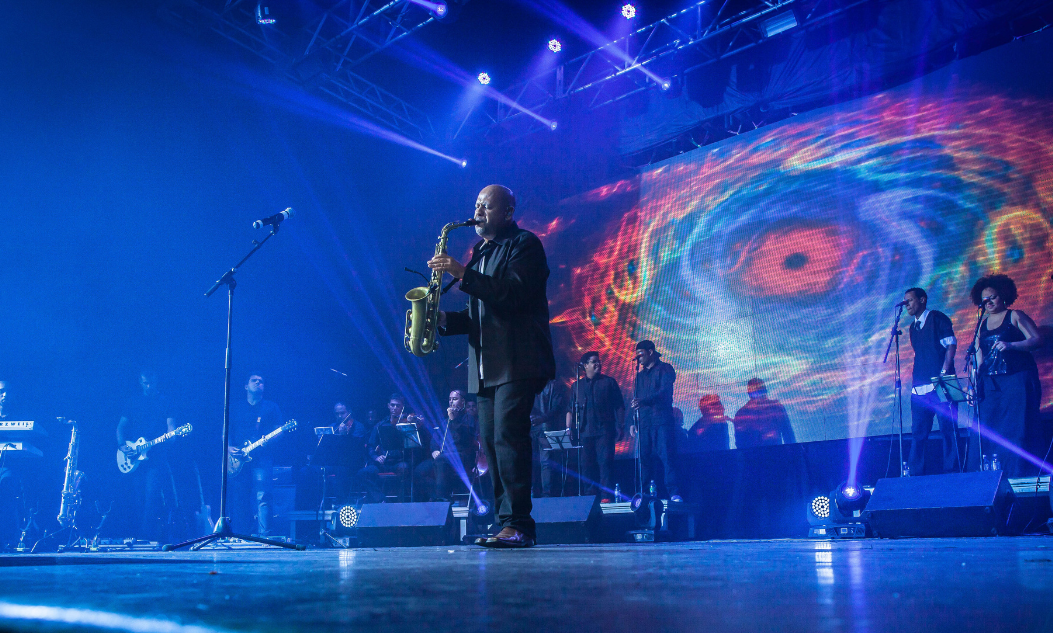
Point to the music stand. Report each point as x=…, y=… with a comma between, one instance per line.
x=949, y=389
x=410, y=440
x=562, y=441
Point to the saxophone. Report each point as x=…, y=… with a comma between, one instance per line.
x=71, y=484
x=422, y=319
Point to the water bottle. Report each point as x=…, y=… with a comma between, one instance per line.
x=986, y=465
x=906, y=469
x=652, y=490
x=995, y=464
x=617, y=493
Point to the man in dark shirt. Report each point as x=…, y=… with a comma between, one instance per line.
x=148, y=415
x=509, y=350
x=934, y=344
x=762, y=421
x=600, y=410
x=453, y=448
x=251, y=490
x=652, y=408
x=386, y=450
x=547, y=415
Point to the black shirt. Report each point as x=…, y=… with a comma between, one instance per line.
x=548, y=410
x=386, y=439
x=929, y=352
x=456, y=435
x=249, y=423
x=762, y=422
x=654, y=390
x=599, y=400
x=1008, y=361
x=147, y=417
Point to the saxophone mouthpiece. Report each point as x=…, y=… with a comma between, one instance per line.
x=472, y=222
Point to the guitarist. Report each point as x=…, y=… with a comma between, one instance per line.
x=250, y=492
x=148, y=415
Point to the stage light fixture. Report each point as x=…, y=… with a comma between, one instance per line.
x=552, y=125
x=665, y=85
x=464, y=162
x=484, y=79
x=555, y=45
x=263, y=14
x=819, y=510
x=848, y=499
x=779, y=23
x=481, y=509
x=441, y=10
x=345, y=518
x=628, y=11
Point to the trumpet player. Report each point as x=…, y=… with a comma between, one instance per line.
x=509, y=350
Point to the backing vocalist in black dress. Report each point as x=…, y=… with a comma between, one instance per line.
x=1009, y=390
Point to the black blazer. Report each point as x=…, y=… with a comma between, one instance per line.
x=507, y=316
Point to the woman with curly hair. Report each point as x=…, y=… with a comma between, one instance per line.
x=1009, y=388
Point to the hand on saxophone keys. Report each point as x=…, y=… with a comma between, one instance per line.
x=447, y=264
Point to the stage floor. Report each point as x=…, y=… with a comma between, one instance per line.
x=959, y=585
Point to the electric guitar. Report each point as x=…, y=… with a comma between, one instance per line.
x=235, y=464
x=127, y=463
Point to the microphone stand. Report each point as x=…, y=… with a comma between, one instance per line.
x=973, y=369
x=223, y=529
x=576, y=429
x=898, y=399
x=638, y=474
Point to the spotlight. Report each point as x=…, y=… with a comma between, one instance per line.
x=484, y=79
x=481, y=509
x=665, y=85
x=263, y=14
x=552, y=125
x=849, y=499
x=345, y=518
x=628, y=11
x=464, y=162
x=440, y=10
x=782, y=22
x=819, y=510
x=554, y=45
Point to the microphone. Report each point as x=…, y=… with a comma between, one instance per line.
x=274, y=220
x=900, y=304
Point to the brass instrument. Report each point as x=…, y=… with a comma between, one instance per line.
x=71, y=484
x=422, y=319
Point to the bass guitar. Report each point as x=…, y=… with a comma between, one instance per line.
x=235, y=464
x=126, y=463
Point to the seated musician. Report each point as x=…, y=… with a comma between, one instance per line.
x=453, y=449
x=386, y=450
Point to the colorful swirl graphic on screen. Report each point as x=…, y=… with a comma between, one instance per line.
x=781, y=255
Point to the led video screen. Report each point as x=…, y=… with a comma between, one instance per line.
x=780, y=254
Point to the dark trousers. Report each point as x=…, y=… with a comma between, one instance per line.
x=543, y=465
x=250, y=498
x=1009, y=407
x=923, y=410
x=597, y=459
x=153, y=491
x=656, y=445
x=504, y=427
x=438, y=478
x=368, y=479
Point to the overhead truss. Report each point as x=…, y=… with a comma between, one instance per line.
x=708, y=30
x=321, y=52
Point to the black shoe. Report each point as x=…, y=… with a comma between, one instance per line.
x=509, y=538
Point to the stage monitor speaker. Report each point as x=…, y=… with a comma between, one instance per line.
x=406, y=524
x=566, y=520
x=957, y=504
